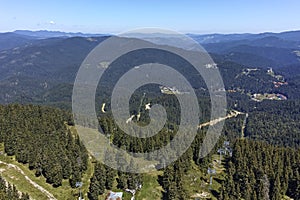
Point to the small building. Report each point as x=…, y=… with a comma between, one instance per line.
x=203, y=195
x=114, y=196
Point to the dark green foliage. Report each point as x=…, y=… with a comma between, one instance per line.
x=171, y=180
x=133, y=179
x=172, y=183
x=110, y=178
x=275, y=122
x=258, y=168
x=98, y=182
x=122, y=180
x=8, y=191
x=39, y=136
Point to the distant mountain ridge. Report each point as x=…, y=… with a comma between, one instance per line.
x=12, y=40
x=201, y=38
x=21, y=38
x=276, y=50
x=39, y=70
x=42, y=34
x=216, y=38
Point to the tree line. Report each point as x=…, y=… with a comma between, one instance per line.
x=39, y=136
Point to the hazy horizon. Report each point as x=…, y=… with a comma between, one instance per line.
x=192, y=33
x=199, y=17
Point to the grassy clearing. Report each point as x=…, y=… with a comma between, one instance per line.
x=16, y=178
x=86, y=179
x=197, y=182
x=194, y=181
x=64, y=192
x=151, y=188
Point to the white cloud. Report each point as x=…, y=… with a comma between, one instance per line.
x=52, y=22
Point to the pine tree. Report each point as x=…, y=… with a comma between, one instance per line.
x=25, y=197
x=98, y=181
x=122, y=180
x=75, y=177
x=276, y=189
x=94, y=189
x=110, y=178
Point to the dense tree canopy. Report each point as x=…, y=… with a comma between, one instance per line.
x=39, y=136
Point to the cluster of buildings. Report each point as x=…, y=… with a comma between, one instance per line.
x=278, y=84
x=169, y=90
x=261, y=97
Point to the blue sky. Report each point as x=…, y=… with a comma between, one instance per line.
x=187, y=16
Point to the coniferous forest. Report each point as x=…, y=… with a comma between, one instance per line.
x=39, y=137
x=257, y=156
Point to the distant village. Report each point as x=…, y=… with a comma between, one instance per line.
x=279, y=82
x=169, y=90
x=261, y=97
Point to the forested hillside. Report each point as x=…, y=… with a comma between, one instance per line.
x=261, y=171
x=38, y=136
x=260, y=160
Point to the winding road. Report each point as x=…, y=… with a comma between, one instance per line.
x=233, y=113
